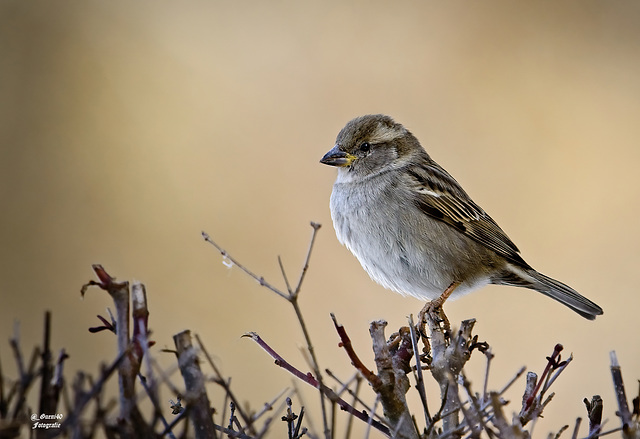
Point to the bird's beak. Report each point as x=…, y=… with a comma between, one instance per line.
x=336, y=157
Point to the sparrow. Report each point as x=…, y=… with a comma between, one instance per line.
x=412, y=226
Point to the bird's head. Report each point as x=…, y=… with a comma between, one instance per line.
x=371, y=144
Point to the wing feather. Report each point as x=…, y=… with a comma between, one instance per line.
x=438, y=195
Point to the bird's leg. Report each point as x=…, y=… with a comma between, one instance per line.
x=436, y=305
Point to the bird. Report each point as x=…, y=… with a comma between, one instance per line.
x=412, y=226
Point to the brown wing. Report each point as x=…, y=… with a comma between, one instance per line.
x=438, y=195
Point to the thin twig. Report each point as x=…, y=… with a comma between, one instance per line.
x=96, y=389
x=345, y=343
x=576, y=428
x=518, y=374
x=555, y=375
x=370, y=421
x=489, y=355
x=225, y=385
x=356, y=398
x=621, y=396
x=309, y=379
x=439, y=415
x=344, y=386
x=284, y=275
x=181, y=416
x=268, y=406
x=269, y=420
x=292, y=298
x=296, y=431
x=419, y=376
x=551, y=361
x=257, y=278
x=305, y=267
x=605, y=433
x=156, y=406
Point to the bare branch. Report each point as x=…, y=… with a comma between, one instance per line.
x=345, y=342
x=392, y=383
x=630, y=429
x=309, y=379
x=257, y=278
x=196, y=397
x=594, y=414
x=419, y=376
x=225, y=385
x=305, y=267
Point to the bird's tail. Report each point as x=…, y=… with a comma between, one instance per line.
x=530, y=278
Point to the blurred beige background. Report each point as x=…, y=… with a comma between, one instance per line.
x=127, y=128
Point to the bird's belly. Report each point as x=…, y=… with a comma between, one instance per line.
x=416, y=257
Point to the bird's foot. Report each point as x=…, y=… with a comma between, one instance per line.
x=434, y=310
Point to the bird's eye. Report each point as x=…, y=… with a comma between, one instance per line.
x=365, y=147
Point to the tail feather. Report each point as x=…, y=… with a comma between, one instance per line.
x=530, y=278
